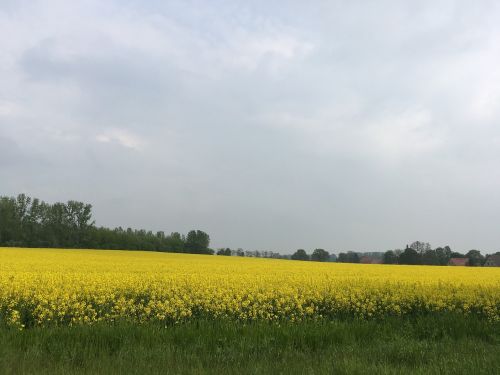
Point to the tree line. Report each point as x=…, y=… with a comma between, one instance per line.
x=418, y=253
x=318, y=255
x=30, y=222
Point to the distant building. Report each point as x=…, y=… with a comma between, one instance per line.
x=458, y=262
x=370, y=260
x=492, y=261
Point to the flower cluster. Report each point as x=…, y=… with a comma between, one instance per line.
x=48, y=286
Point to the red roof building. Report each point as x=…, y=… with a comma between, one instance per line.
x=458, y=262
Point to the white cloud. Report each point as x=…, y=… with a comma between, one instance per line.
x=9, y=108
x=121, y=137
x=286, y=108
x=386, y=136
x=399, y=136
x=249, y=51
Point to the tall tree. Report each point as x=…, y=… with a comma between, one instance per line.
x=225, y=252
x=475, y=258
x=320, y=255
x=409, y=256
x=197, y=242
x=430, y=258
x=349, y=257
x=300, y=254
x=9, y=223
x=390, y=257
x=420, y=247
x=33, y=223
x=443, y=255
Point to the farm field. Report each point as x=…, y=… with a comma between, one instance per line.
x=43, y=287
x=97, y=311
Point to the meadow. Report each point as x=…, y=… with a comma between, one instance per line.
x=419, y=345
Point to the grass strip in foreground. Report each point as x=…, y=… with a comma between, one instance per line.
x=424, y=345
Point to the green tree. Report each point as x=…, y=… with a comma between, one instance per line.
x=443, y=254
x=197, y=242
x=78, y=221
x=430, y=257
x=390, y=257
x=420, y=247
x=320, y=255
x=475, y=258
x=349, y=257
x=175, y=242
x=9, y=223
x=300, y=254
x=224, y=252
x=409, y=256
x=240, y=252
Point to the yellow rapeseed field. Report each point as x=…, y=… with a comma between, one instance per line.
x=49, y=286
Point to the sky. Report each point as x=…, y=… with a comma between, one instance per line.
x=271, y=125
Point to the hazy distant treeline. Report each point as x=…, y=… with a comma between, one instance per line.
x=30, y=222
x=417, y=253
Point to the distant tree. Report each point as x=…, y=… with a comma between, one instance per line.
x=390, y=257
x=9, y=222
x=443, y=255
x=197, y=242
x=430, y=257
x=175, y=242
x=349, y=257
x=475, y=258
x=78, y=221
x=240, y=252
x=225, y=252
x=275, y=255
x=342, y=258
x=420, y=247
x=320, y=255
x=300, y=254
x=409, y=256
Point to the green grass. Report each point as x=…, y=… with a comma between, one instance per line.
x=425, y=345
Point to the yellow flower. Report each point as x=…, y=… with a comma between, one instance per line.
x=52, y=286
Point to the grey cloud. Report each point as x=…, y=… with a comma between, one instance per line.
x=350, y=127
x=10, y=154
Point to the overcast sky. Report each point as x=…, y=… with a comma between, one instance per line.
x=271, y=125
